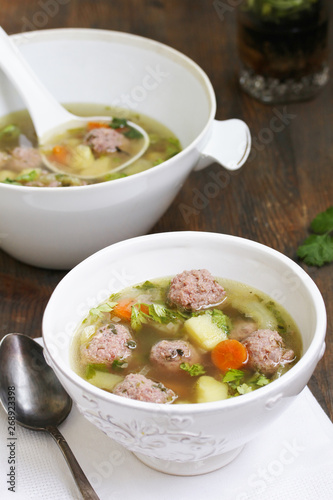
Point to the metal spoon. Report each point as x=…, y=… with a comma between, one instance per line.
x=48, y=116
x=41, y=403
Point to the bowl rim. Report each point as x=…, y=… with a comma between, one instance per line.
x=103, y=34
x=313, y=352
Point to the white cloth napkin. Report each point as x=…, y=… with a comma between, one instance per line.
x=292, y=460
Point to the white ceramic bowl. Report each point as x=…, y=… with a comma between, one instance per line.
x=196, y=438
x=58, y=227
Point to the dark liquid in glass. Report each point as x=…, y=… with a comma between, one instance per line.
x=288, y=49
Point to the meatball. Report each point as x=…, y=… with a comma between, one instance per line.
x=194, y=290
x=136, y=386
x=169, y=354
x=111, y=342
x=24, y=157
x=267, y=352
x=104, y=140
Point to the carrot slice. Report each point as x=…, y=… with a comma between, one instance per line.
x=60, y=154
x=124, y=309
x=92, y=125
x=229, y=355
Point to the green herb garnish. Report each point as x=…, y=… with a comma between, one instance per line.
x=118, y=363
x=10, y=132
x=233, y=375
x=118, y=123
x=194, y=370
x=103, y=308
x=130, y=132
x=133, y=133
x=220, y=319
x=235, y=380
x=157, y=313
x=147, y=285
x=317, y=249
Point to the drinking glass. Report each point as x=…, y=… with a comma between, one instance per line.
x=283, y=48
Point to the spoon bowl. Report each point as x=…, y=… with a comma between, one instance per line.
x=49, y=117
x=41, y=403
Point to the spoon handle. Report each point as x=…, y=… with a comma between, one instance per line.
x=39, y=101
x=87, y=491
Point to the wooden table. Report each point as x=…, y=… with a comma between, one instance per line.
x=272, y=199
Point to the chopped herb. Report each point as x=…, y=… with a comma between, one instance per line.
x=29, y=176
x=194, y=370
x=233, y=375
x=219, y=318
x=11, y=181
x=262, y=380
x=156, y=312
x=162, y=314
x=244, y=389
x=133, y=133
x=173, y=147
x=138, y=317
x=103, y=308
x=147, y=285
x=282, y=325
x=118, y=363
x=10, y=132
x=317, y=249
x=92, y=368
x=118, y=123
x=130, y=132
x=235, y=380
x=114, y=176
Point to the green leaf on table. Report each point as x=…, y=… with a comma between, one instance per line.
x=317, y=249
x=323, y=223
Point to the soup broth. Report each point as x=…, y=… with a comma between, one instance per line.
x=89, y=151
x=156, y=324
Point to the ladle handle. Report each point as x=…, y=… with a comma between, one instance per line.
x=40, y=102
x=87, y=491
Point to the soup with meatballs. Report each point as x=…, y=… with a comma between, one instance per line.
x=191, y=338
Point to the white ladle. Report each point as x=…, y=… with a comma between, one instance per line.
x=48, y=116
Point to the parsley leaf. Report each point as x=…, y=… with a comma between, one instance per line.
x=133, y=133
x=262, y=380
x=103, y=308
x=156, y=312
x=118, y=363
x=220, y=319
x=29, y=176
x=235, y=380
x=244, y=389
x=323, y=223
x=194, y=370
x=233, y=375
x=10, y=132
x=317, y=249
x=118, y=123
x=138, y=317
x=147, y=285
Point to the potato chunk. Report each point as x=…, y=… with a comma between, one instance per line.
x=209, y=389
x=204, y=332
x=105, y=380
